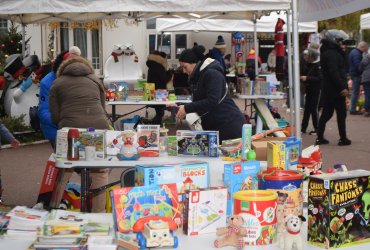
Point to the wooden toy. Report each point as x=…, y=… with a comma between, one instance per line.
x=156, y=231
x=232, y=234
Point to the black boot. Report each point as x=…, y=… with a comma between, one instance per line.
x=344, y=142
x=321, y=141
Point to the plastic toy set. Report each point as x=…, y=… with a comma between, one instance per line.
x=197, y=143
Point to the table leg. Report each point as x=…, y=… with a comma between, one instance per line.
x=85, y=190
x=113, y=112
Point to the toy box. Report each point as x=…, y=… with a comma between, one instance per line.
x=197, y=143
x=149, y=91
x=276, y=155
x=293, y=151
x=132, y=203
x=172, y=145
x=240, y=176
x=246, y=140
x=205, y=210
x=148, y=140
x=161, y=95
x=92, y=138
x=188, y=175
x=339, y=209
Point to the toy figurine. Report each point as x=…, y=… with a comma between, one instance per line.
x=128, y=150
x=233, y=234
x=292, y=239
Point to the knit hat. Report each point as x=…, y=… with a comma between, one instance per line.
x=74, y=50
x=192, y=55
x=220, y=43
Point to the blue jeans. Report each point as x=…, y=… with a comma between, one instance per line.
x=367, y=96
x=354, y=94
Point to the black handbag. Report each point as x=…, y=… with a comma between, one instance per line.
x=34, y=118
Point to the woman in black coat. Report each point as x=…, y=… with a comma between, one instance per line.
x=311, y=79
x=217, y=110
x=160, y=76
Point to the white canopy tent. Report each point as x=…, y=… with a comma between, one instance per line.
x=264, y=24
x=44, y=11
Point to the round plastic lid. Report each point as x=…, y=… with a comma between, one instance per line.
x=280, y=175
x=255, y=195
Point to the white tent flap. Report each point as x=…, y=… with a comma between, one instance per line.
x=365, y=21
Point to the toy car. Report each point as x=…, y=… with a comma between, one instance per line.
x=156, y=231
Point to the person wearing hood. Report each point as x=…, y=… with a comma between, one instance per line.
x=217, y=110
x=160, y=76
x=77, y=100
x=334, y=85
x=311, y=79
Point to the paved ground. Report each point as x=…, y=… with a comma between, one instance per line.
x=22, y=169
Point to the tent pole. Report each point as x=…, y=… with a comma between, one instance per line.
x=255, y=44
x=296, y=69
x=23, y=40
x=290, y=73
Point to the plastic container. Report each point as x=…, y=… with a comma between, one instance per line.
x=73, y=144
x=288, y=186
x=257, y=207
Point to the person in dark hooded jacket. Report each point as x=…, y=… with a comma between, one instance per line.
x=334, y=85
x=217, y=110
x=160, y=76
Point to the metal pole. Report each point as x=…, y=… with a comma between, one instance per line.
x=23, y=40
x=290, y=73
x=296, y=69
x=255, y=45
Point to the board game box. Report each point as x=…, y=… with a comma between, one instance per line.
x=339, y=209
x=197, y=143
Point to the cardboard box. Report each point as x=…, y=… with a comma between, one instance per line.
x=188, y=175
x=240, y=176
x=205, y=210
x=197, y=143
x=260, y=146
x=276, y=154
x=339, y=209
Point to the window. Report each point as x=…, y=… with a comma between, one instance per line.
x=3, y=26
x=180, y=44
x=151, y=24
x=87, y=40
x=165, y=46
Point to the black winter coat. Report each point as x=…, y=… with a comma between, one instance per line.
x=209, y=87
x=157, y=72
x=313, y=73
x=333, y=69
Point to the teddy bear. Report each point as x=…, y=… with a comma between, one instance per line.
x=232, y=234
x=291, y=238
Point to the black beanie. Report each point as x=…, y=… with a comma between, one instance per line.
x=192, y=55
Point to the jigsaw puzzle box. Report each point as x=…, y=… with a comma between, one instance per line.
x=339, y=209
x=197, y=143
x=240, y=176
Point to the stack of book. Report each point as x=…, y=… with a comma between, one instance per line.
x=25, y=222
x=65, y=243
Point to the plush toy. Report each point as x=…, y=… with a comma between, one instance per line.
x=233, y=234
x=291, y=238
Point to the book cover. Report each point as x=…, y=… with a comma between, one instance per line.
x=148, y=140
x=132, y=203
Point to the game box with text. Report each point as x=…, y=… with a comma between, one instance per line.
x=339, y=209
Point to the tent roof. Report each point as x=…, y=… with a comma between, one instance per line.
x=365, y=21
x=265, y=24
x=42, y=11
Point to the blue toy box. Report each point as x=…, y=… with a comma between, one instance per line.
x=197, y=143
x=240, y=176
x=293, y=151
x=188, y=175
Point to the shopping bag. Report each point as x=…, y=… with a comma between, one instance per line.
x=193, y=121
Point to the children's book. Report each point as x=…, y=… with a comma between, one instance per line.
x=148, y=140
x=132, y=203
